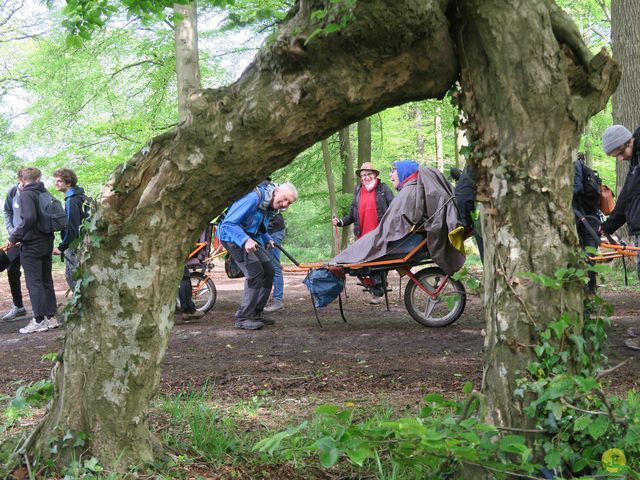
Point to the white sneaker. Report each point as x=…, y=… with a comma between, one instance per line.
x=34, y=326
x=15, y=312
x=376, y=300
x=275, y=306
x=52, y=322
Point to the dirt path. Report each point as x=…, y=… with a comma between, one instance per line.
x=377, y=353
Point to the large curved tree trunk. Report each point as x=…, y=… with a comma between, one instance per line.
x=529, y=86
x=156, y=204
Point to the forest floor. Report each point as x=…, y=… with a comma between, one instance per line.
x=268, y=380
x=376, y=354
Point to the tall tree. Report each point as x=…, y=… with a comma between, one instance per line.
x=364, y=141
x=346, y=156
x=437, y=133
x=331, y=186
x=290, y=97
x=187, y=55
x=625, y=39
x=419, y=133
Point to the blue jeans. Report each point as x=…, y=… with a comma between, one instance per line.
x=278, y=279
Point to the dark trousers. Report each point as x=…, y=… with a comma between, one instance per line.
x=14, y=274
x=36, y=261
x=185, y=295
x=587, y=239
x=258, y=272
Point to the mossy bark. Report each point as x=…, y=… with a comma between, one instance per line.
x=156, y=204
x=529, y=87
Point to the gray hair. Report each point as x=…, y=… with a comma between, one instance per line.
x=289, y=186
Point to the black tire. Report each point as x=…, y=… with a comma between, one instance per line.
x=442, y=311
x=204, y=292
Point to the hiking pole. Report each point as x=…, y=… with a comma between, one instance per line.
x=279, y=247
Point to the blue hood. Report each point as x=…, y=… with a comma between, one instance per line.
x=405, y=168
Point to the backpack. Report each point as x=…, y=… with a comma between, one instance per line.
x=51, y=214
x=86, y=205
x=590, y=196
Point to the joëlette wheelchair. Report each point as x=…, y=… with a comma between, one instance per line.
x=432, y=298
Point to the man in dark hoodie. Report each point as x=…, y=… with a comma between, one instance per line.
x=11, y=219
x=35, y=254
x=75, y=204
x=618, y=142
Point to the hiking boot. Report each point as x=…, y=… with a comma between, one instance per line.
x=249, y=324
x=195, y=315
x=51, y=322
x=15, y=312
x=376, y=300
x=633, y=332
x=275, y=306
x=632, y=343
x=266, y=320
x=34, y=326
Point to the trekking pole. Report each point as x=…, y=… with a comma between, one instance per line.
x=279, y=247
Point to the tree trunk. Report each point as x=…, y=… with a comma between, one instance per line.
x=437, y=123
x=461, y=140
x=527, y=101
x=625, y=43
x=348, y=176
x=187, y=56
x=364, y=141
x=156, y=204
x=331, y=185
x=588, y=146
x=417, y=115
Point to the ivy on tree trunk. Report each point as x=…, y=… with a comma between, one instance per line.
x=529, y=87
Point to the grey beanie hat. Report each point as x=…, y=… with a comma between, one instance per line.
x=614, y=137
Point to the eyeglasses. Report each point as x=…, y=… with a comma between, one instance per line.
x=367, y=174
x=620, y=150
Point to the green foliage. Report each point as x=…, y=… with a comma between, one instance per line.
x=27, y=396
x=577, y=425
x=208, y=436
x=429, y=445
x=332, y=19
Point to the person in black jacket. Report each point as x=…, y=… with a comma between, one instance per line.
x=618, y=142
x=465, y=192
x=75, y=205
x=11, y=218
x=586, y=207
x=370, y=200
x=35, y=254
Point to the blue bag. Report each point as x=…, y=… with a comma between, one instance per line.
x=324, y=286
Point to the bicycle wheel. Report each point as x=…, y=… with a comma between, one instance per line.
x=445, y=309
x=204, y=291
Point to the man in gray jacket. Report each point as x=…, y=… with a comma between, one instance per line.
x=11, y=218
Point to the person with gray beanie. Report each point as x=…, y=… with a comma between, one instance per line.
x=618, y=142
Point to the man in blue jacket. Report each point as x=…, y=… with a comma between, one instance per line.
x=75, y=205
x=244, y=233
